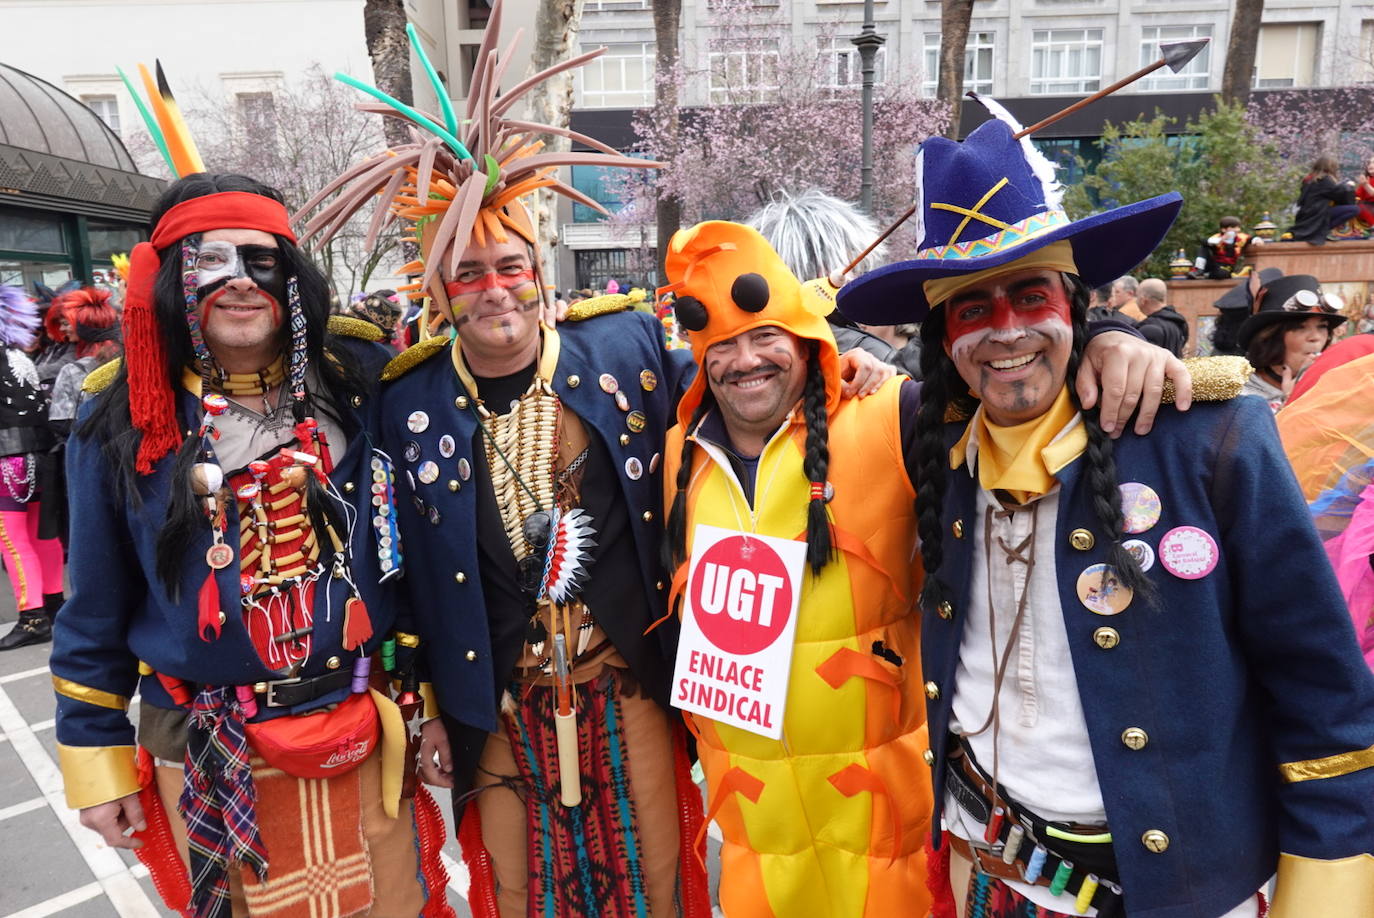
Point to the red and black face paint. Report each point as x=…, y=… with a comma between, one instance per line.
x=217, y=263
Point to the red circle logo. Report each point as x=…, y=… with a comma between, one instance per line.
x=741, y=595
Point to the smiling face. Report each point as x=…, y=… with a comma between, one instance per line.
x=756, y=377
x=242, y=286
x=495, y=303
x=1010, y=338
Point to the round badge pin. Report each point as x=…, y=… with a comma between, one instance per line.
x=647, y=380
x=446, y=446
x=622, y=401
x=1188, y=553
x=1140, y=505
x=434, y=516
x=634, y=468
x=411, y=452
x=635, y=420
x=653, y=463
x=248, y=491
x=428, y=472
x=1100, y=589
x=418, y=422
x=1142, y=552
x=219, y=556
x=608, y=383
x=464, y=469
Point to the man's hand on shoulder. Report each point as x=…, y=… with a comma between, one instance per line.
x=862, y=374
x=1125, y=371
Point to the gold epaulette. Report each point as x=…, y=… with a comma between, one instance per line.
x=413, y=356
x=604, y=305
x=100, y=378
x=354, y=328
x=1215, y=379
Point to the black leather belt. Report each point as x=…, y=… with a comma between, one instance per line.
x=287, y=693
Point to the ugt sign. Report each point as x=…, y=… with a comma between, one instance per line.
x=739, y=620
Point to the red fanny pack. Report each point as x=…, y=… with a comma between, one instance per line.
x=320, y=744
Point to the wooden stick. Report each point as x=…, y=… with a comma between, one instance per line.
x=1089, y=100
x=881, y=236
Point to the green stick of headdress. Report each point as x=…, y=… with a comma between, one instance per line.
x=440, y=90
x=148, y=121
x=409, y=112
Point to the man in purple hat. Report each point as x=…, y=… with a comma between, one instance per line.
x=1080, y=591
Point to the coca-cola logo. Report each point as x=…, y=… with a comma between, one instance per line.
x=349, y=756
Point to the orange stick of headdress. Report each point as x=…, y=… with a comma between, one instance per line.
x=180, y=146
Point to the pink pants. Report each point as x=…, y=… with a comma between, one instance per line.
x=34, y=564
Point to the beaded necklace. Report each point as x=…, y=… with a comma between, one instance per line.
x=259, y=383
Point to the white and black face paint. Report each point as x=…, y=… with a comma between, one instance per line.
x=217, y=263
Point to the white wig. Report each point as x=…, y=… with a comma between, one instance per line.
x=816, y=233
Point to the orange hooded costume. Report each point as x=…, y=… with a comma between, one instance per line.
x=829, y=820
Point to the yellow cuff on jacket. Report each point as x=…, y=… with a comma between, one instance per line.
x=431, y=700
x=1333, y=889
x=97, y=774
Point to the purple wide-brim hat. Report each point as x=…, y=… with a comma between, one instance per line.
x=993, y=184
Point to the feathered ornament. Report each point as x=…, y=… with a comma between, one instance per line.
x=569, y=555
x=455, y=180
x=19, y=318
x=120, y=260
x=162, y=116
x=1040, y=165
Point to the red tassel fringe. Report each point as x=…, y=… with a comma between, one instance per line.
x=482, y=888
x=429, y=829
x=152, y=406
x=696, y=897
x=937, y=881
x=159, y=851
x=207, y=602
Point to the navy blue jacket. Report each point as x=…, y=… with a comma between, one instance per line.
x=442, y=583
x=120, y=612
x=1231, y=677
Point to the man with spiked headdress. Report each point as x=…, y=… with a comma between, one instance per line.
x=228, y=548
x=530, y=460
x=1080, y=590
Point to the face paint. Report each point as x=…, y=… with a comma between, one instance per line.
x=217, y=263
x=1005, y=305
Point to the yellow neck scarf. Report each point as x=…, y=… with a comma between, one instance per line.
x=1023, y=459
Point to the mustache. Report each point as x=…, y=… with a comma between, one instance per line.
x=736, y=375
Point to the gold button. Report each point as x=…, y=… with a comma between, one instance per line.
x=453, y=484
x=357, y=400
x=333, y=663
x=461, y=577
x=932, y=691
x=946, y=610
x=624, y=439
x=658, y=585
x=929, y=756
x=222, y=618
x=1134, y=738
x=1155, y=840
x=1082, y=539
x=348, y=486
x=471, y=656
x=260, y=688
x=958, y=528
x=1106, y=638
x=460, y=402
x=574, y=381
x=648, y=516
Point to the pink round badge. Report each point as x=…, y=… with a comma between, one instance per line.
x=1188, y=552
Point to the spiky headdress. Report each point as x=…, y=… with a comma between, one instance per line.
x=458, y=181
x=19, y=318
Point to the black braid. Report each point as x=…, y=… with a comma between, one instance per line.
x=816, y=462
x=675, y=545
x=1100, y=469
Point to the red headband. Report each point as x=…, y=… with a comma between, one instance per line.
x=224, y=210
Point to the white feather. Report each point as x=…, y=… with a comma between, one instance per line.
x=1041, y=167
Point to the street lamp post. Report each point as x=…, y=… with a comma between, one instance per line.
x=868, y=42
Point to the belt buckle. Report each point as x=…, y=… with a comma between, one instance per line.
x=272, y=691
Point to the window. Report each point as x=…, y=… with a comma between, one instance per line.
x=744, y=70
x=977, y=63
x=623, y=77
x=592, y=6
x=106, y=109
x=1196, y=74
x=258, y=111
x=841, y=66
x=1363, y=66
x=594, y=268
x=1065, y=61
x=1286, y=54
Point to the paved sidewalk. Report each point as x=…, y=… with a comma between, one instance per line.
x=54, y=866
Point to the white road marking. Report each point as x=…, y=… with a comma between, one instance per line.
x=25, y=674
x=28, y=806
x=59, y=903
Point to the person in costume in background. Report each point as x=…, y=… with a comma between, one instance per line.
x=52, y=348
x=1324, y=204
x=95, y=332
x=34, y=564
x=381, y=308
x=228, y=553
x=520, y=443
x=1078, y=590
x=753, y=441
x=1220, y=256
x=1289, y=326
x=1233, y=308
